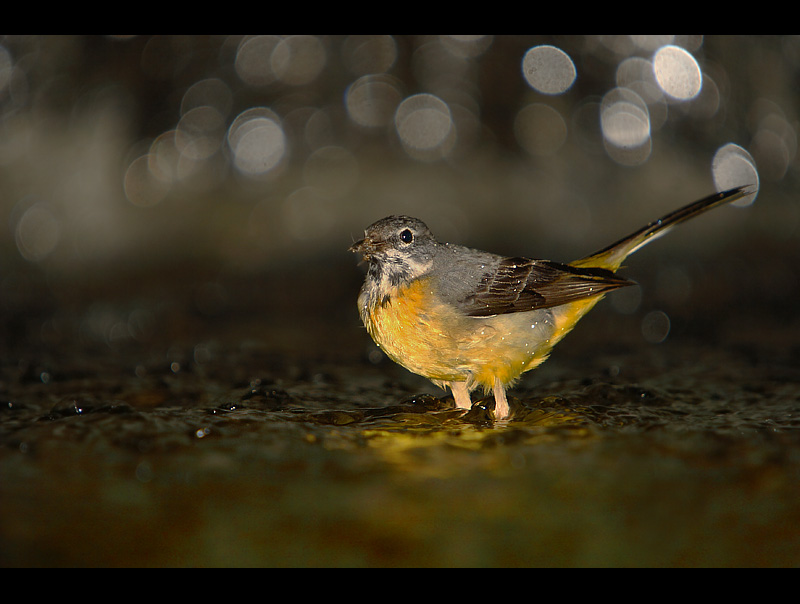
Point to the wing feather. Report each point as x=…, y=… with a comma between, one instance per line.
x=522, y=284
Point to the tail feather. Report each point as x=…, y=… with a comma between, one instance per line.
x=611, y=257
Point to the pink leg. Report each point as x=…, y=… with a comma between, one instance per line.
x=501, y=410
x=461, y=394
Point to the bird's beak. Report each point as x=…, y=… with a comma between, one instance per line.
x=364, y=247
x=357, y=247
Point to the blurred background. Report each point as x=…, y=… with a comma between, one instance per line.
x=250, y=154
x=183, y=375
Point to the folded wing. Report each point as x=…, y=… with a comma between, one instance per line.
x=523, y=284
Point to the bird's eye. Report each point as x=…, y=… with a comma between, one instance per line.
x=406, y=236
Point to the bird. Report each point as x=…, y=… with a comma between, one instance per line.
x=467, y=319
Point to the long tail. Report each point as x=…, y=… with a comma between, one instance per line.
x=611, y=257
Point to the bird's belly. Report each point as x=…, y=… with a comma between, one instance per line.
x=435, y=340
x=504, y=346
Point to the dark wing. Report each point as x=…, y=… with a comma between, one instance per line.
x=522, y=284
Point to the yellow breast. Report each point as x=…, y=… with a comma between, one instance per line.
x=416, y=331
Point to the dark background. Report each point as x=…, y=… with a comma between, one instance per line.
x=117, y=161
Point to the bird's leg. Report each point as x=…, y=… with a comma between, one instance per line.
x=461, y=394
x=500, y=401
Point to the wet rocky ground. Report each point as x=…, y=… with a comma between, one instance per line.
x=194, y=418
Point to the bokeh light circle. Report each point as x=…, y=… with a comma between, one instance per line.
x=733, y=166
x=298, y=60
x=424, y=123
x=209, y=92
x=369, y=54
x=257, y=141
x=163, y=158
x=372, y=100
x=200, y=133
x=467, y=46
x=677, y=72
x=142, y=187
x=37, y=232
x=656, y=326
x=253, y=61
x=624, y=118
x=548, y=69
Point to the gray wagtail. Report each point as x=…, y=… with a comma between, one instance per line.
x=464, y=318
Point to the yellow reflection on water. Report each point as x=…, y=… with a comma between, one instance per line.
x=423, y=446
